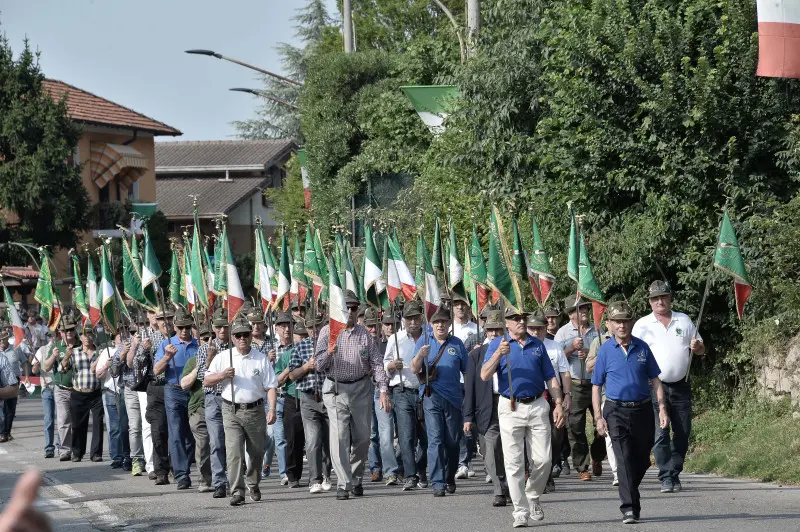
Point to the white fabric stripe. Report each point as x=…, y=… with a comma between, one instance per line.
x=787, y=11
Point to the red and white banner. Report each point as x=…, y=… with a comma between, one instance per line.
x=778, y=38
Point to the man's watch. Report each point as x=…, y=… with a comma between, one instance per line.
x=567, y=393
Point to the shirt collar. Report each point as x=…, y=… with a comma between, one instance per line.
x=176, y=341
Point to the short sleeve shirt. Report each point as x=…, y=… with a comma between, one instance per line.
x=196, y=395
x=557, y=358
x=185, y=352
x=626, y=373
x=253, y=375
x=530, y=367
x=670, y=344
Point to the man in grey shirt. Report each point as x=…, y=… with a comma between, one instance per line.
x=575, y=337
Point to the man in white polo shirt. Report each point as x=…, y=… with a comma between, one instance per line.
x=672, y=338
x=245, y=374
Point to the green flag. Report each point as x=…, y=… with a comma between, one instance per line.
x=574, y=247
x=588, y=287
x=352, y=281
x=78, y=294
x=454, y=266
x=478, y=269
x=131, y=278
x=372, y=269
x=197, y=272
x=519, y=266
x=433, y=103
x=108, y=293
x=284, y=277
x=539, y=274
x=311, y=265
x=299, y=270
x=498, y=276
x=176, y=291
x=728, y=258
x=322, y=263
x=151, y=269
x=437, y=255
x=220, y=287
x=45, y=294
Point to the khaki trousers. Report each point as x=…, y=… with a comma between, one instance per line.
x=245, y=431
x=349, y=418
x=528, y=425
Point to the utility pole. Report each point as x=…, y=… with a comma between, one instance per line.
x=473, y=23
x=347, y=25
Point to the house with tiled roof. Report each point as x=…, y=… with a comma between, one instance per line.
x=227, y=177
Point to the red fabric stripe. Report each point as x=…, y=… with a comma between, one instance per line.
x=546, y=285
x=483, y=297
x=335, y=330
x=537, y=294
x=430, y=308
x=393, y=292
x=307, y=196
x=597, y=313
x=778, y=50
x=409, y=291
x=742, y=292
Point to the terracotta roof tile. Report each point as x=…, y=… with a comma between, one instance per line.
x=213, y=196
x=220, y=153
x=83, y=106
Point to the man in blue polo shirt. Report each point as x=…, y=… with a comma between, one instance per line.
x=523, y=412
x=442, y=397
x=170, y=359
x=627, y=368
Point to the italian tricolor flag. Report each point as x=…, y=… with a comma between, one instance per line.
x=108, y=293
x=399, y=275
x=372, y=269
x=431, y=286
x=13, y=318
x=92, y=293
x=336, y=305
x=235, y=294
x=778, y=38
x=283, y=300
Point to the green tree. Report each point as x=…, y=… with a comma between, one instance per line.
x=288, y=200
x=40, y=186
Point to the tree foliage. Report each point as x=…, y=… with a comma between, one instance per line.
x=40, y=186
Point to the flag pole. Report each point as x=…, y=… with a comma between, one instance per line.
x=230, y=328
x=425, y=314
x=55, y=292
x=394, y=321
x=697, y=325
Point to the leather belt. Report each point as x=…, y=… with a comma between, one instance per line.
x=525, y=400
x=630, y=404
x=85, y=390
x=348, y=382
x=582, y=381
x=244, y=406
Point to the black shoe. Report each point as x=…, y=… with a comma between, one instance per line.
x=76, y=458
x=451, y=488
x=162, y=480
x=438, y=493
x=342, y=494
x=220, y=492
x=550, y=486
x=152, y=475
x=97, y=458
x=255, y=495
x=499, y=500
x=237, y=500
x=116, y=464
x=556, y=470
x=49, y=454
x=127, y=465
x=358, y=491
x=294, y=484
x=185, y=483
x=629, y=518
x=507, y=495
x=66, y=457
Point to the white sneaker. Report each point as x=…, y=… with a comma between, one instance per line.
x=537, y=514
x=488, y=479
x=615, y=482
x=470, y=473
x=520, y=521
x=316, y=487
x=462, y=472
x=284, y=480
x=326, y=484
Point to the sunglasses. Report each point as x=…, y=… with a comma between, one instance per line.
x=241, y=336
x=352, y=308
x=183, y=327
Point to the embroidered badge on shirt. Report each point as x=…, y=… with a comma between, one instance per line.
x=256, y=372
x=678, y=332
x=451, y=350
x=641, y=357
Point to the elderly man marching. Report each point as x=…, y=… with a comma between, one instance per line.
x=673, y=338
x=245, y=374
x=440, y=362
x=347, y=394
x=526, y=424
x=628, y=369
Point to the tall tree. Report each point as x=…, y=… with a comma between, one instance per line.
x=40, y=184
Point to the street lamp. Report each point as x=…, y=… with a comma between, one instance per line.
x=211, y=53
x=263, y=94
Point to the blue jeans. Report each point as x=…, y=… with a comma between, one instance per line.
x=279, y=439
x=670, y=452
x=269, y=443
x=404, y=407
x=51, y=439
x=385, y=423
x=216, y=439
x=118, y=444
x=443, y=422
x=181, y=440
x=374, y=453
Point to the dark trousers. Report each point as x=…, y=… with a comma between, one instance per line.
x=9, y=411
x=81, y=406
x=581, y=402
x=295, y=438
x=670, y=453
x=156, y=415
x=631, y=430
x=181, y=439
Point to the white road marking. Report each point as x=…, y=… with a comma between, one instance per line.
x=99, y=509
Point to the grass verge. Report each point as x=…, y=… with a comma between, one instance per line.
x=754, y=438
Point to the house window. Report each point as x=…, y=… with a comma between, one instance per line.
x=264, y=201
x=105, y=194
x=133, y=191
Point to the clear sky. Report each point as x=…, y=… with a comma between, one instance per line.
x=133, y=53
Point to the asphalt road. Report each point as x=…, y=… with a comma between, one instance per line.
x=91, y=496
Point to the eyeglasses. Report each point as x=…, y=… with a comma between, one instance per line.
x=241, y=336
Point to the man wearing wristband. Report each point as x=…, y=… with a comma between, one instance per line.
x=626, y=366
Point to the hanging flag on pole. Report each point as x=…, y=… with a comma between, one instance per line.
x=433, y=103
x=284, y=277
x=322, y=263
x=337, y=307
x=433, y=298
x=299, y=271
x=235, y=295
x=12, y=316
x=519, y=265
x=177, y=292
x=196, y=272
x=454, y=267
x=399, y=275
x=352, y=281
x=261, y=275
x=108, y=292
x=574, y=246
x=437, y=256
x=302, y=156
x=151, y=270
x=311, y=265
x=478, y=267
x=188, y=284
x=210, y=280
x=778, y=38
x=131, y=279
x=78, y=293
x=498, y=276
x=588, y=287
x=272, y=270
x=92, y=292
x=469, y=281
x=540, y=276
x=45, y=294
x=372, y=269
x=728, y=258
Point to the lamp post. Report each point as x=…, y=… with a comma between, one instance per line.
x=264, y=94
x=211, y=53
